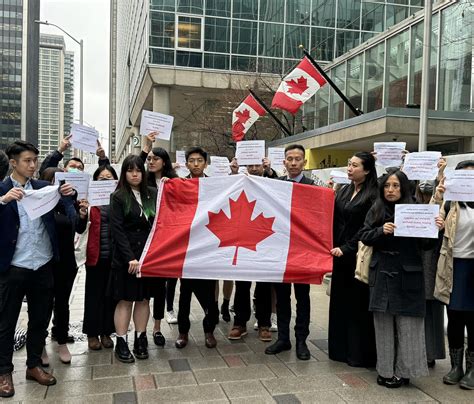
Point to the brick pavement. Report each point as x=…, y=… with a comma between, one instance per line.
x=236, y=372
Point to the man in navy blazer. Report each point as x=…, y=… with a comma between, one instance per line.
x=28, y=248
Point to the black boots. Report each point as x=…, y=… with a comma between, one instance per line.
x=140, y=346
x=225, y=311
x=122, y=352
x=467, y=382
x=457, y=372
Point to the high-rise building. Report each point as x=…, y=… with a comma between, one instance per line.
x=19, y=47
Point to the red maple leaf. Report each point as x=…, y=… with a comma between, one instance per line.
x=239, y=230
x=243, y=116
x=297, y=87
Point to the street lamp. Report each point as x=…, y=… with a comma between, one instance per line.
x=81, y=88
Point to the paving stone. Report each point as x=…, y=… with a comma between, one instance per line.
x=174, y=379
x=280, y=369
x=297, y=384
x=382, y=394
x=84, y=399
x=233, y=349
x=352, y=380
x=286, y=399
x=128, y=397
x=290, y=356
x=26, y=391
x=210, y=362
x=315, y=367
x=144, y=382
x=79, y=387
x=258, y=358
x=204, y=393
x=74, y=373
x=244, y=389
x=89, y=359
x=252, y=372
x=322, y=344
x=130, y=369
x=179, y=365
x=233, y=361
x=442, y=392
x=322, y=397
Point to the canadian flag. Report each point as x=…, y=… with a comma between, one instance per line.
x=244, y=116
x=240, y=228
x=298, y=87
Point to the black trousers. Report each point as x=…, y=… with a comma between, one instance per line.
x=458, y=321
x=64, y=275
x=163, y=289
x=263, y=303
x=37, y=286
x=204, y=290
x=98, y=307
x=283, y=306
x=170, y=291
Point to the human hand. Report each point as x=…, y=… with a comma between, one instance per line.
x=267, y=166
x=337, y=252
x=100, y=152
x=133, y=266
x=66, y=189
x=389, y=228
x=439, y=223
x=83, y=206
x=15, y=194
x=440, y=190
x=64, y=144
x=234, y=166
x=149, y=140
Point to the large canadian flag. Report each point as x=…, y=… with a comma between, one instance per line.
x=240, y=228
x=244, y=116
x=298, y=87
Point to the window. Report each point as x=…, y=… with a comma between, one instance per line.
x=397, y=69
x=219, y=8
x=217, y=35
x=189, y=32
x=272, y=10
x=190, y=6
x=298, y=11
x=295, y=36
x=244, y=37
x=322, y=43
x=271, y=40
x=162, y=30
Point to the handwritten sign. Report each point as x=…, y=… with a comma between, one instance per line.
x=84, y=138
x=156, y=122
x=416, y=220
x=38, y=202
x=459, y=185
x=99, y=192
x=389, y=154
x=250, y=152
x=79, y=181
x=219, y=166
x=421, y=165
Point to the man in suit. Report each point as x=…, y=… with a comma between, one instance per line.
x=294, y=163
x=28, y=248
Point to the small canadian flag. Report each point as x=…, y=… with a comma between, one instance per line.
x=244, y=116
x=298, y=87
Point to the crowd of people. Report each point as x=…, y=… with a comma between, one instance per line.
x=395, y=322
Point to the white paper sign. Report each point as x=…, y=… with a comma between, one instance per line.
x=459, y=186
x=276, y=155
x=84, y=138
x=79, y=181
x=156, y=122
x=99, y=192
x=250, y=152
x=389, y=154
x=421, y=165
x=416, y=220
x=182, y=170
x=37, y=202
x=339, y=177
x=220, y=166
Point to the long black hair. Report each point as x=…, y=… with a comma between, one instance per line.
x=105, y=167
x=405, y=193
x=167, y=171
x=131, y=162
x=368, y=189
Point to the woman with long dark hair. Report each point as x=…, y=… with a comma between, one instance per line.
x=397, y=293
x=351, y=329
x=99, y=309
x=132, y=211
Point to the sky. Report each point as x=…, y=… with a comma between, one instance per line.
x=88, y=20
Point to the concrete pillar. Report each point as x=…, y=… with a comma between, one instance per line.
x=161, y=103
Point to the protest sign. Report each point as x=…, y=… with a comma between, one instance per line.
x=37, y=202
x=389, y=154
x=79, y=181
x=421, y=165
x=99, y=192
x=84, y=138
x=156, y=122
x=459, y=185
x=250, y=152
x=416, y=220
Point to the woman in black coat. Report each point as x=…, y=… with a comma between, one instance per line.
x=132, y=211
x=351, y=330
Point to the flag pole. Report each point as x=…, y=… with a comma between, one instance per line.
x=355, y=110
x=280, y=123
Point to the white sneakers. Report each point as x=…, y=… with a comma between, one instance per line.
x=171, y=317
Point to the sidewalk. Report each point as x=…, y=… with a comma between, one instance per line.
x=236, y=372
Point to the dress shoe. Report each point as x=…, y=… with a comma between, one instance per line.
x=44, y=358
x=237, y=332
x=94, y=344
x=122, y=351
x=264, y=334
x=396, y=382
x=181, y=341
x=64, y=354
x=106, y=341
x=277, y=347
x=140, y=346
x=381, y=380
x=210, y=340
x=39, y=375
x=302, y=351
x=159, y=338
x=6, y=385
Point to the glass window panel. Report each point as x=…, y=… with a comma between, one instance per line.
x=247, y=9
x=338, y=76
x=244, y=63
x=298, y=11
x=345, y=41
x=354, y=83
x=188, y=59
x=289, y=65
x=162, y=29
x=272, y=10
x=217, y=35
x=271, y=40
x=189, y=32
x=163, y=5
x=367, y=35
x=373, y=17
x=322, y=107
x=296, y=36
x=397, y=69
x=244, y=37
x=214, y=61
x=348, y=14
x=220, y=8
x=190, y=6
x=323, y=13
x=322, y=43
x=161, y=56
x=374, y=77
x=266, y=65
x=420, y=3
x=396, y=14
